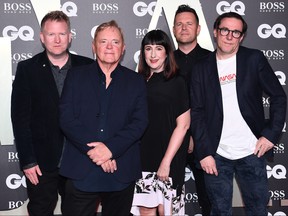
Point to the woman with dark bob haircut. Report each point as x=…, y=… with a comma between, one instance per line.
x=158, y=37
x=165, y=142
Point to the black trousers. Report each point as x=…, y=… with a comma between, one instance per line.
x=203, y=198
x=43, y=197
x=82, y=203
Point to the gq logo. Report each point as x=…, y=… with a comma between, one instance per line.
x=279, y=213
x=136, y=56
x=281, y=77
x=188, y=174
x=140, y=9
x=25, y=33
x=93, y=31
x=265, y=31
x=224, y=7
x=266, y=101
x=70, y=9
x=15, y=181
x=278, y=171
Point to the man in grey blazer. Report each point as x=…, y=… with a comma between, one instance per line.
x=228, y=124
x=34, y=111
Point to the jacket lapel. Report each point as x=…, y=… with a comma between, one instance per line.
x=241, y=72
x=48, y=82
x=94, y=75
x=213, y=74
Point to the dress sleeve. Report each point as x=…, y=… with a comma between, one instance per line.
x=181, y=96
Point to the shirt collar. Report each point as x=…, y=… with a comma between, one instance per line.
x=113, y=73
x=192, y=53
x=65, y=67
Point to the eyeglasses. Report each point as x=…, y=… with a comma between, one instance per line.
x=226, y=31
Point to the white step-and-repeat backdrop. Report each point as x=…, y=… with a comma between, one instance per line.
x=19, y=40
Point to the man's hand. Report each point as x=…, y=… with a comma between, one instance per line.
x=262, y=146
x=209, y=166
x=109, y=166
x=100, y=153
x=32, y=174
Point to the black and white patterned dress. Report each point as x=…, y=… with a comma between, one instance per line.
x=167, y=99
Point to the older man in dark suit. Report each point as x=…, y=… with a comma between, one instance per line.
x=229, y=127
x=34, y=110
x=103, y=112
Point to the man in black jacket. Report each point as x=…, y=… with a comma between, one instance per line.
x=229, y=128
x=186, y=29
x=103, y=113
x=34, y=111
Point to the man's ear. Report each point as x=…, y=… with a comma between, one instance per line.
x=41, y=37
x=198, y=29
x=215, y=33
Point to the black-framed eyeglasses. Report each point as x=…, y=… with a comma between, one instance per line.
x=235, y=33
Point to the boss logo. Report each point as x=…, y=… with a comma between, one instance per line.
x=224, y=7
x=191, y=197
x=277, y=194
x=279, y=148
x=140, y=33
x=73, y=33
x=15, y=204
x=70, y=9
x=274, y=54
x=277, y=172
x=141, y=8
x=105, y=8
x=15, y=181
x=16, y=57
x=272, y=6
x=25, y=33
x=17, y=7
x=265, y=31
x=13, y=157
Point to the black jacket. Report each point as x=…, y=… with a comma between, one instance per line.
x=34, y=112
x=254, y=77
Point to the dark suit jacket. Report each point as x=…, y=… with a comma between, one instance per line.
x=34, y=112
x=254, y=76
x=127, y=120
